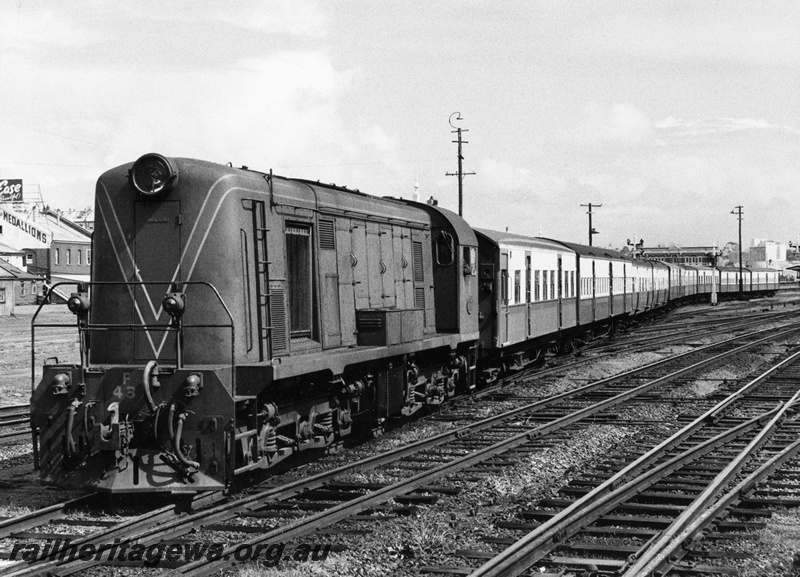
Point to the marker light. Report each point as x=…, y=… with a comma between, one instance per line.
x=79, y=303
x=173, y=304
x=152, y=175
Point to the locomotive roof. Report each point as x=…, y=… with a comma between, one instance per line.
x=463, y=231
x=336, y=200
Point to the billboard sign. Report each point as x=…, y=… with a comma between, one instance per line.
x=11, y=190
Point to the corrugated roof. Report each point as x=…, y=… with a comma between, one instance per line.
x=61, y=228
x=9, y=271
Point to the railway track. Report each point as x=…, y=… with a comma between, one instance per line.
x=405, y=476
x=12, y=417
x=715, y=316
x=643, y=518
x=679, y=333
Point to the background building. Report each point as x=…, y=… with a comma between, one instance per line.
x=17, y=288
x=40, y=241
x=692, y=255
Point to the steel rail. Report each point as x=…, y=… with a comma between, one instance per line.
x=674, y=335
x=344, y=510
x=11, y=415
x=225, y=510
x=349, y=508
x=527, y=550
x=4, y=408
x=17, y=433
x=105, y=536
x=693, y=532
x=587, y=388
x=658, y=552
x=41, y=516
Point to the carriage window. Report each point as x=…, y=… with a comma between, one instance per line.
x=299, y=279
x=536, y=295
x=517, y=286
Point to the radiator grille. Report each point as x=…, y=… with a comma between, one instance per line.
x=277, y=309
x=327, y=237
x=419, y=270
x=367, y=323
x=419, y=298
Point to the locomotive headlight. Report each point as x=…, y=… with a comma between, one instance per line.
x=79, y=303
x=174, y=304
x=152, y=175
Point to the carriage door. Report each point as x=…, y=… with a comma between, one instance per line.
x=611, y=289
x=504, y=296
x=594, y=292
x=528, y=289
x=157, y=252
x=625, y=288
x=560, y=290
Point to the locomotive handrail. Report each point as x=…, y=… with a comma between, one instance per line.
x=88, y=327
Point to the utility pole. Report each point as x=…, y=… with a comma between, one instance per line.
x=737, y=210
x=460, y=174
x=592, y=231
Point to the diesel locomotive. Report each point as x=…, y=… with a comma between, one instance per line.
x=235, y=318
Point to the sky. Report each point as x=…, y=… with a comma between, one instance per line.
x=669, y=114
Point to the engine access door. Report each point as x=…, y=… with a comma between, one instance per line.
x=157, y=251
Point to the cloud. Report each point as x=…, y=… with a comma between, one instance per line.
x=25, y=31
x=702, y=32
x=675, y=128
x=619, y=124
x=294, y=17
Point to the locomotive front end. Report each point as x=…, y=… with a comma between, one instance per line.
x=148, y=406
x=129, y=429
